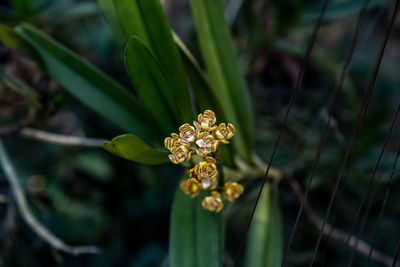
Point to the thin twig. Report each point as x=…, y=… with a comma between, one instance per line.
x=362, y=247
x=343, y=75
x=27, y=215
x=389, y=184
x=61, y=139
x=372, y=82
x=283, y=126
x=396, y=255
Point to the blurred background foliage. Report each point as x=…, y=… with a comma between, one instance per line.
x=86, y=195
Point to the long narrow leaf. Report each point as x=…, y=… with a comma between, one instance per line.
x=150, y=83
x=264, y=244
x=196, y=235
x=204, y=94
x=146, y=20
x=223, y=69
x=92, y=87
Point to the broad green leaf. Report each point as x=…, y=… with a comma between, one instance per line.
x=13, y=41
x=92, y=87
x=130, y=147
x=151, y=84
x=196, y=235
x=264, y=242
x=224, y=71
x=131, y=20
x=19, y=87
x=146, y=20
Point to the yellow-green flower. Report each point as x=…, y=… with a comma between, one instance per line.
x=223, y=133
x=188, y=133
x=207, y=120
x=204, y=139
x=190, y=188
x=206, y=143
x=213, y=202
x=206, y=169
x=205, y=173
x=232, y=191
x=180, y=153
x=169, y=142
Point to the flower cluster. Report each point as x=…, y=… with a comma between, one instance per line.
x=203, y=139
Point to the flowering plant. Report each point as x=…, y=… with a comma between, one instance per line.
x=170, y=87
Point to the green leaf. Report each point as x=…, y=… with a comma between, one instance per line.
x=151, y=84
x=223, y=70
x=92, y=87
x=146, y=20
x=196, y=235
x=264, y=243
x=13, y=41
x=20, y=87
x=130, y=147
x=204, y=93
x=131, y=20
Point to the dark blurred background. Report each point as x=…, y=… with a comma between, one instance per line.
x=87, y=196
